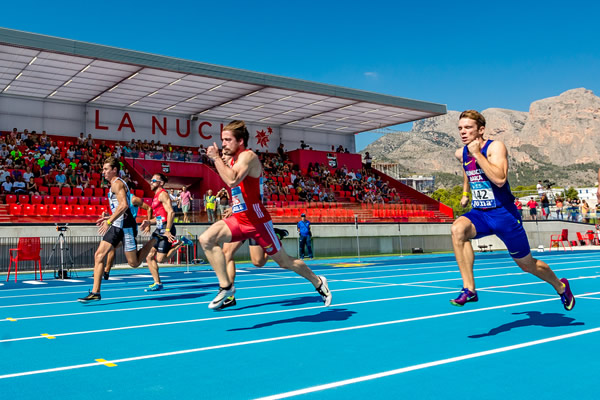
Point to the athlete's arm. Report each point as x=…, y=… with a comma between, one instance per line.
x=119, y=190
x=495, y=166
x=233, y=176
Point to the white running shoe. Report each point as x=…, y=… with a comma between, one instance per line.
x=324, y=291
x=221, y=297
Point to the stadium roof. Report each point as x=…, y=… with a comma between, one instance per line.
x=44, y=67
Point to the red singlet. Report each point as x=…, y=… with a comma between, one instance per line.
x=158, y=210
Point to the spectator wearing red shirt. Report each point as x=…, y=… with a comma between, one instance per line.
x=519, y=206
x=532, y=204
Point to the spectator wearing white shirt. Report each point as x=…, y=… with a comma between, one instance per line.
x=28, y=174
x=7, y=185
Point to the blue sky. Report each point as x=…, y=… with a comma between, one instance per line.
x=462, y=54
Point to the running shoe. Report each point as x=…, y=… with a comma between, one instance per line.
x=465, y=296
x=186, y=241
x=324, y=291
x=229, y=302
x=567, y=297
x=281, y=233
x=154, y=287
x=90, y=297
x=106, y=275
x=221, y=297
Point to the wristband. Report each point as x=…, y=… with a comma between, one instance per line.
x=108, y=222
x=167, y=230
x=466, y=194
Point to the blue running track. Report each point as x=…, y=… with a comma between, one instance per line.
x=390, y=333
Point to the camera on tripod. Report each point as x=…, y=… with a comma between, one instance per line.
x=548, y=184
x=62, y=228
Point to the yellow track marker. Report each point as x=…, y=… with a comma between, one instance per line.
x=11, y=319
x=350, y=265
x=47, y=336
x=103, y=361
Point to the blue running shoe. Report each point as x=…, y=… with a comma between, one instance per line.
x=154, y=287
x=186, y=241
x=465, y=296
x=567, y=297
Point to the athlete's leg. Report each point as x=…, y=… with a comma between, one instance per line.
x=463, y=231
x=229, y=250
x=110, y=261
x=136, y=257
x=258, y=256
x=153, y=265
x=103, y=249
x=173, y=250
x=298, y=266
x=541, y=270
x=211, y=241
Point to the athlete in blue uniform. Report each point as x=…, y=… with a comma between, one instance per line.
x=493, y=211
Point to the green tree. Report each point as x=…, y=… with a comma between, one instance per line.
x=570, y=193
x=451, y=198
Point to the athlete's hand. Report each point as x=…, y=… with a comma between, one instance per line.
x=170, y=237
x=145, y=226
x=213, y=151
x=474, y=147
x=464, y=201
x=103, y=228
x=102, y=218
x=227, y=213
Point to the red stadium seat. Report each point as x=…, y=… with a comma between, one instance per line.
x=102, y=208
x=11, y=199
x=104, y=200
x=72, y=200
x=43, y=190
x=54, y=191
x=84, y=201
x=41, y=210
x=94, y=201
x=65, y=191
x=77, y=191
x=66, y=210
x=78, y=210
x=38, y=181
x=48, y=199
x=91, y=210
x=24, y=198
x=35, y=199
x=60, y=200
x=88, y=192
x=98, y=192
x=15, y=209
x=96, y=176
x=139, y=193
x=28, y=209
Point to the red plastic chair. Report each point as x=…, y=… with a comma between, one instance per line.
x=94, y=201
x=35, y=199
x=584, y=240
x=28, y=209
x=41, y=210
x=72, y=200
x=98, y=192
x=560, y=238
x=11, y=199
x=15, y=209
x=77, y=191
x=84, y=201
x=28, y=249
x=65, y=191
x=24, y=198
x=54, y=191
x=88, y=192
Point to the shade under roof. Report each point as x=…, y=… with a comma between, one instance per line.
x=51, y=68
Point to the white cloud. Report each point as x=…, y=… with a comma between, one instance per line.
x=372, y=75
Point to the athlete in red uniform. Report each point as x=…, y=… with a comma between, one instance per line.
x=250, y=219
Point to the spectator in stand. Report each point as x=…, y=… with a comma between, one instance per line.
x=7, y=185
x=281, y=152
x=54, y=148
x=89, y=141
x=60, y=179
x=559, y=208
x=224, y=200
x=174, y=200
x=71, y=152
x=4, y=151
x=305, y=234
x=545, y=202
x=28, y=174
x=32, y=187
x=81, y=140
x=210, y=204
x=585, y=212
x=540, y=189
x=368, y=160
x=19, y=187
x=303, y=145
x=186, y=200
x=532, y=204
x=340, y=149
x=519, y=206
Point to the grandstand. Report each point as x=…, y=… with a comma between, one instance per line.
x=129, y=102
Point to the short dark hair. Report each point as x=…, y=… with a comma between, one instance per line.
x=474, y=115
x=163, y=177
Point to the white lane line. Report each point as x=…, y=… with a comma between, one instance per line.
x=34, y=282
x=417, y=367
x=555, y=298
x=273, y=339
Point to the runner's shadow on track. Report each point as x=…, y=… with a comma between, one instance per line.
x=536, y=318
x=187, y=296
x=284, y=303
x=329, y=315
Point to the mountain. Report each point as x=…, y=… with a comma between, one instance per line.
x=558, y=139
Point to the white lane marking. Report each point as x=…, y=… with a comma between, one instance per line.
x=35, y=282
x=278, y=338
x=416, y=367
x=555, y=298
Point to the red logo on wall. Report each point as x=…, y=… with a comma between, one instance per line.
x=262, y=137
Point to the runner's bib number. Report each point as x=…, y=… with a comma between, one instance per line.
x=483, y=195
x=238, y=203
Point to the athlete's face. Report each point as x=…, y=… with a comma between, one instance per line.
x=108, y=172
x=230, y=145
x=468, y=130
x=155, y=182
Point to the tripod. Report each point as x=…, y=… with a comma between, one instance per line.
x=61, y=245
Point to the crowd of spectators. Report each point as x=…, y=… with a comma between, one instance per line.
x=320, y=183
